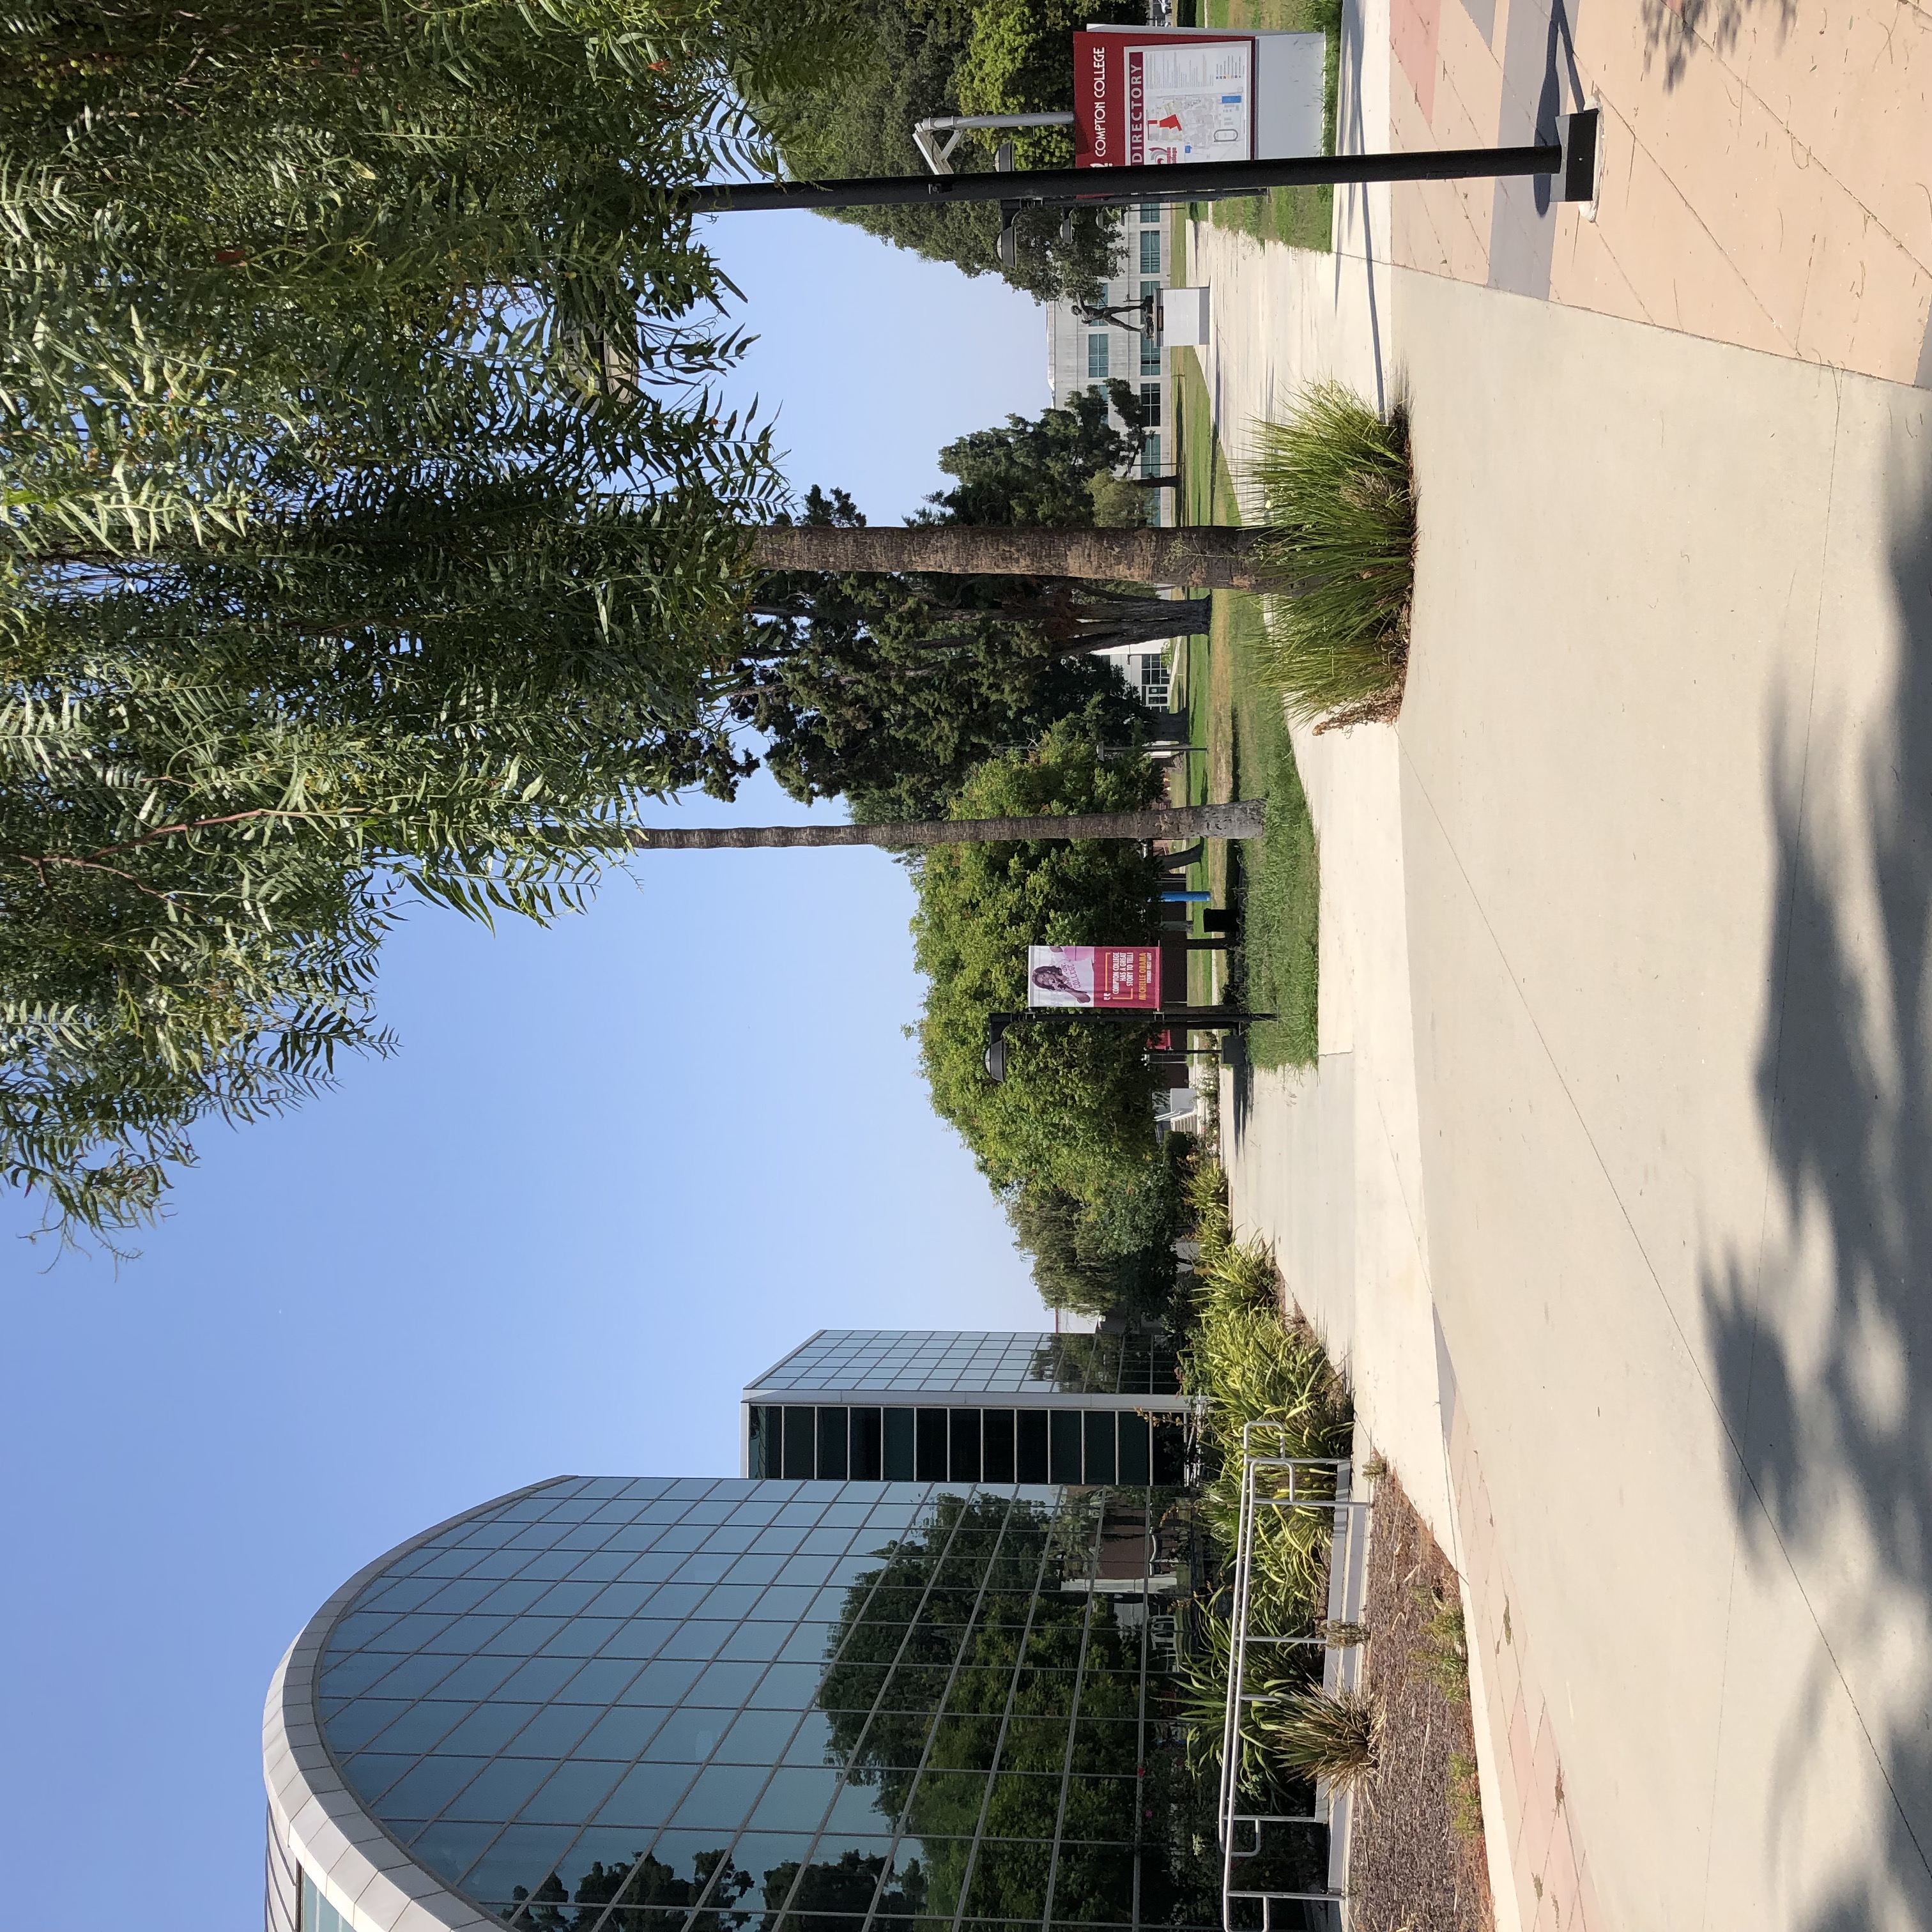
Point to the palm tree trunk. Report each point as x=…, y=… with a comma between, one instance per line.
x=1198, y=558
x=1240, y=820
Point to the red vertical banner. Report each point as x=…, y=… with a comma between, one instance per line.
x=1093, y=976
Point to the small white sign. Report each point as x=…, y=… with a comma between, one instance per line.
x=1183, y=318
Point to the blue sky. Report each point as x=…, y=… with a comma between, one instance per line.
x=617, y=1169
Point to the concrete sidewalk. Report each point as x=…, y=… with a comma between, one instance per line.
x=1667, y=838
x=1768, y=169
x=1627, y=1081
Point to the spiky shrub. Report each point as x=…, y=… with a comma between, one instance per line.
x=1256, y=1367
x=1318, y=1734
x=1271, y=1671
x=1332, y=488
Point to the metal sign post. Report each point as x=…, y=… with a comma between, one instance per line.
x=1202, y=1019
x=1570, y=162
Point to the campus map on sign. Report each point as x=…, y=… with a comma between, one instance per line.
x=1180, y=97
x=1195, y=101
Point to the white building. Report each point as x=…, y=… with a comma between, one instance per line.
x=1146, y=669
x=1079, y=354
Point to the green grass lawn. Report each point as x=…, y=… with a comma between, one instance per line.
x=1274, y=882
x=1303, y=218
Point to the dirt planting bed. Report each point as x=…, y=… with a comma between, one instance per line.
x=1416, y=1858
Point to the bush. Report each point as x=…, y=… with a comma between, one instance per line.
x=1074, y=1114
x=1314, y=1734
x=1334, y=495
x=1296, y=1732
x=1256, y=1366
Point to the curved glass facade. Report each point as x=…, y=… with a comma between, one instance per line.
x=608, y=1706
x=937, y=1363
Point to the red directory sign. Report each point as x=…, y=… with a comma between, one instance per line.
x=1142, y=97
x=1093, y=976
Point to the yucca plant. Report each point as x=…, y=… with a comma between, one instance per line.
x=1319, y=1734
x=1333, y=489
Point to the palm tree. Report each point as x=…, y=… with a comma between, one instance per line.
x=1196, y=558
x=1240, y=819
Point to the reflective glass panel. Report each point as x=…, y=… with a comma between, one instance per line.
x=829, y=1700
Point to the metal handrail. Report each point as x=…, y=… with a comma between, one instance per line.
x=1230, y=1817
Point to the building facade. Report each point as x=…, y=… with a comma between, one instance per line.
x=939, y=1406
x=917, y=1670
x=1080, y=354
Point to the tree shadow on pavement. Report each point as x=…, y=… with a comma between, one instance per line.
x=1674, y=35
x=1831, y=1418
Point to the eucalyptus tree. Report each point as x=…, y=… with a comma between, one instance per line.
x=263, y=239
x=371, y=528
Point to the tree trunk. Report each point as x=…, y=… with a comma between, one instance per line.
x=1095, y=627
x=1242, y=820
x=1170, y=482
x=1203, y=558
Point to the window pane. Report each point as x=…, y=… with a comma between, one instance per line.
x=833, y=1424
x=1096, y=355
x=1100, y=1433
x=867, y=1463
x=931, y=1462
x=1032, y=1430
x=1135, y=1466
x=1150, y=251
x=996, y=1435
x=799, y=1449
x=758, y=1737
x=1063, y=1458
x=1150, y=406
x=899, y=1428
x=964, y=1430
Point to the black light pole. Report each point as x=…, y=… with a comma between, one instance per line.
x=1227, y=1018
x=1570, y=160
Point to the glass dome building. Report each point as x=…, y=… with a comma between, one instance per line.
x=687, y=1705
